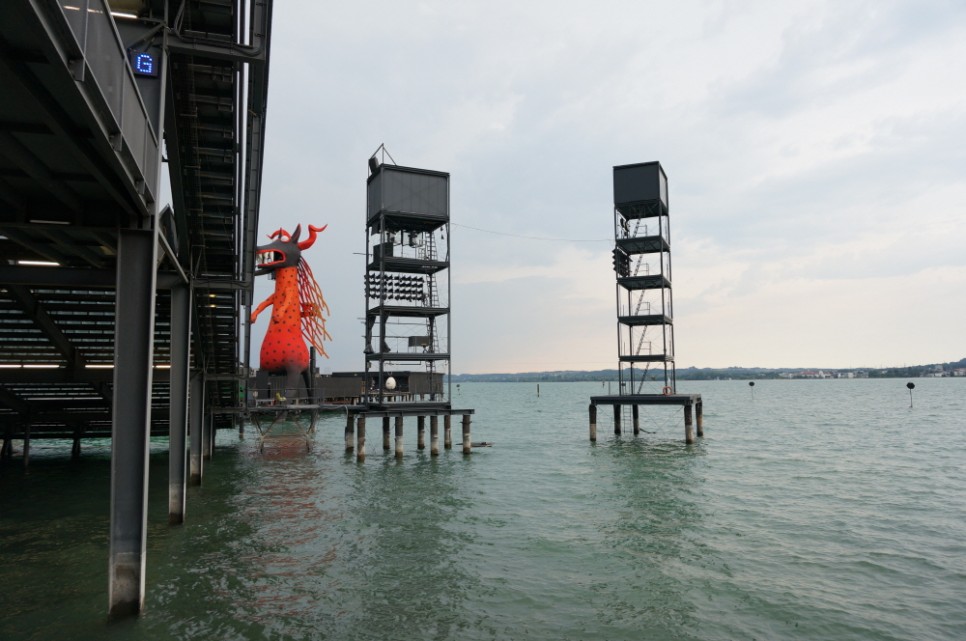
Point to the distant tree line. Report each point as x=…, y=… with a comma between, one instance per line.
x=711, y=373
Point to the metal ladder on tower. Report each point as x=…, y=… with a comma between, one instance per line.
x=432, y=301
x=640, y=303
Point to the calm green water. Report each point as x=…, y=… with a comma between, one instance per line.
x=825, y=510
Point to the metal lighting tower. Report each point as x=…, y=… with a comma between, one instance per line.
x=642, y=261
x=407, y=285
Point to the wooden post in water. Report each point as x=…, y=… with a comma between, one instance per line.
x=593, y=422
x=385, y=434
x=448, y=431
x=688, y=427
x=434, y=435
x=399, y=437
x=699, y=417
x=349, y=432
x=617, y=418
x=361, y=438
x=467, y=443
x=421, y=432
x=637, y=419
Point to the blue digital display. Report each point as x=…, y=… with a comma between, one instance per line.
x=144, y=63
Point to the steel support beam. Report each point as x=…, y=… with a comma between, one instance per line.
x=178, y=419
x=88, y=278
x=38, y=314
x=133, y=353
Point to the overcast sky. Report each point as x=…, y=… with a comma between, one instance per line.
x=815, y=151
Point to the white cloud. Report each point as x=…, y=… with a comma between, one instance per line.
x=814, y=154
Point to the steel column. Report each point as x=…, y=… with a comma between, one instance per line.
x=178, y=419
x=133, y=354
x=196, y=414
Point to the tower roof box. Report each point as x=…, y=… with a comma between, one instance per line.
x=641, y=184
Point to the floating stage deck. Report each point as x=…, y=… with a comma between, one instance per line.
x=690, y=402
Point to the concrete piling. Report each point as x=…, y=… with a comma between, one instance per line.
x=637, y=419
x=699, y=417
x=355, y=429
x=349, y=432
x=434, y=435
x=617, y=418
x=399, y=437
x=593, y=423
x=361, y=438
x=688, y=427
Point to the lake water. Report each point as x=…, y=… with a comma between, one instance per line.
x=820, y=510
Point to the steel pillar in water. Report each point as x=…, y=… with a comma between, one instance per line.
x=133, y=355
x=178, y=418
x=196, y=416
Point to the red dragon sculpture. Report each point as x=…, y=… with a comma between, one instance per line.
x=298, y=307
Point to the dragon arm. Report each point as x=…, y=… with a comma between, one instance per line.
x=265, y=303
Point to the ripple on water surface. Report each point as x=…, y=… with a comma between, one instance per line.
x=812, y=510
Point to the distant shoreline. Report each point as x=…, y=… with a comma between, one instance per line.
x=954, y=369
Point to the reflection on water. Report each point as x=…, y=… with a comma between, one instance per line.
x=409, y=572
x=653, y=530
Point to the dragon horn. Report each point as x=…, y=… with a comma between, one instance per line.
x=313, y=232
x=281, y=234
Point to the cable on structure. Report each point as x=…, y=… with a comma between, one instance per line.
x=566, y=240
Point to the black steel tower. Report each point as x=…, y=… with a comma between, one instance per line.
x=407, y=284
x=642, y=262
